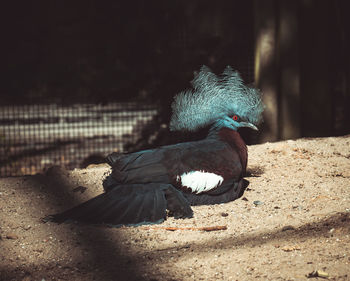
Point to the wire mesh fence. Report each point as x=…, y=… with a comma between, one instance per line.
x=35, y=137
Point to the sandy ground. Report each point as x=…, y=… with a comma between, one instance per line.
x=293, y=219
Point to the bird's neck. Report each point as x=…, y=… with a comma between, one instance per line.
x=234, y=139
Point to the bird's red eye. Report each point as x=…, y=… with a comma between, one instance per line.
x=235, y=117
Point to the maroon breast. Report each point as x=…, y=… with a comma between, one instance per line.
x=234, y=139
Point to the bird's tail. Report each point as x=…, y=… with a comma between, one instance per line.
x=133, y=204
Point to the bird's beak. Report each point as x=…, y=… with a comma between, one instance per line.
x=248, y=125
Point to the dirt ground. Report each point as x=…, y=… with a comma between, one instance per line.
x=293, y=219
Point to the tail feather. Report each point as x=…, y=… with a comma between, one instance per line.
x=158, y=200
x=178, y=205
x=84, y=212
x=133, y=211
x=132, y=204
x=112, y=209
x=147, y=210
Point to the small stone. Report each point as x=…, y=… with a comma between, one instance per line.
x=224, y=214
x=27, y=227
x=11, y=236
x=318, y=273
x=244, y=199
x=288, y=227
x=291, y=248
x=80, y=189
x=257, y=202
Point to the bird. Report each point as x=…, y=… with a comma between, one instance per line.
x=147, y=186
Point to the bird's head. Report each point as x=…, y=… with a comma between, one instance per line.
x=218, y=101
x=233, y=122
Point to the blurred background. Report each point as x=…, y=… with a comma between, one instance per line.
x=80, y=79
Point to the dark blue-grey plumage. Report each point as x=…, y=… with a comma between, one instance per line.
x=144, y=185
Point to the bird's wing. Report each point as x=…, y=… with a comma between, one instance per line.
x=139, y=167
x=132, y=204
x=195, y=167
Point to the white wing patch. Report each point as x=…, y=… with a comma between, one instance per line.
x=200, y=181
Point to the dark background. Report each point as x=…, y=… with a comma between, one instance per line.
x=102, y=52
x=105, y=51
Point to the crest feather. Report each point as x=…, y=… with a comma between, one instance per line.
x=213, y=97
